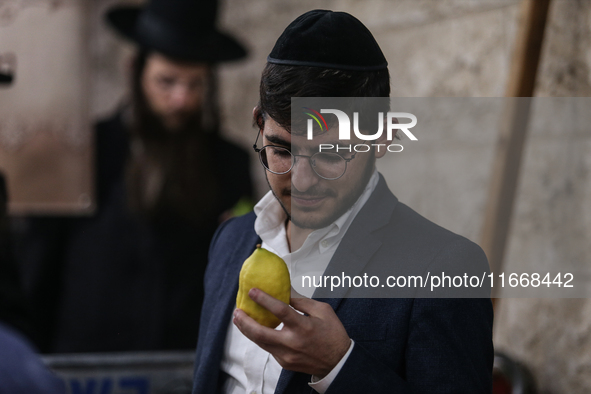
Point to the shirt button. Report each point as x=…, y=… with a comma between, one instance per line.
x=253, y=392
x=324, y=243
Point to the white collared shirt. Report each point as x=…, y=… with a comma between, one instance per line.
x=249, y=368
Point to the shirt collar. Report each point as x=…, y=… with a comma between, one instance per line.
x=271, y=218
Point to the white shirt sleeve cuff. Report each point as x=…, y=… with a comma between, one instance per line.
x=321, y=385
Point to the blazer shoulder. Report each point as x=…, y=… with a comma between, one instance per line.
x=233, y=235
x=241, y=226
x=426, y=246
x=423, y=231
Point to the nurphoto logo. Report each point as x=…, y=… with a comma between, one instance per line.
x=391, y=126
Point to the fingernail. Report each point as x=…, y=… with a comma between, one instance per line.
x=235, y=313
x=253, y=292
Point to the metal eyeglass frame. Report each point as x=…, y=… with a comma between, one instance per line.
x=312, y=165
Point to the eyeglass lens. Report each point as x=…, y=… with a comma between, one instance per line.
x=280, y=161
x=276, y=159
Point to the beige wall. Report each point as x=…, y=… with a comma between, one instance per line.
x=43, y=114
x=552, y=223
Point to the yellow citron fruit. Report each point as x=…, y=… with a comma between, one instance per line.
x=268, y=272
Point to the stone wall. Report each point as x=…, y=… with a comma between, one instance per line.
x=458, y=48
x=552, y=221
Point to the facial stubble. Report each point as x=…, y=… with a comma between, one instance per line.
x=340, y=207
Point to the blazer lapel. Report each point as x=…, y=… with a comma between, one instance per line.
x=284, y=379
x=293, y=383
x=228, y=289
x=360, y=242
x=218, y=325
x=354, y=252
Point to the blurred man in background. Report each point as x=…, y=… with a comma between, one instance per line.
x=130, y=277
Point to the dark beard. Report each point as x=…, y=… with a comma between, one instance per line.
x=149, y=126
x=169, y=171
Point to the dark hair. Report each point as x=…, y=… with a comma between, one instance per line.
x=181, y=161
x=208, y=119
x=279, y=83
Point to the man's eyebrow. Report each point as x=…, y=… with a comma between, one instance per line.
x=275, y=139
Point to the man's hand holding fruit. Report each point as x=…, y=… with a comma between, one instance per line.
x=311, y=343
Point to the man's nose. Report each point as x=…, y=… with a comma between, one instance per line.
x=303, y=176
x=179, y=97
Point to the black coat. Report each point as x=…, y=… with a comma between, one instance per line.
x=13, y=309
x=118, y=281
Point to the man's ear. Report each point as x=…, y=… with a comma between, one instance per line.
x=383, y=139
x=257, y=118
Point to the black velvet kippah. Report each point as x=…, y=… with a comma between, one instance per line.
x=322, y=38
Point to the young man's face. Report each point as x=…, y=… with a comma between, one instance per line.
x=173, y=90
x=311, y=201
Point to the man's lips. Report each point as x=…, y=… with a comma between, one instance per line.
x=307, y=200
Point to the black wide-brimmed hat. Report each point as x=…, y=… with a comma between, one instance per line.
x=322, y=38
x=181, y=29
x=5, y=79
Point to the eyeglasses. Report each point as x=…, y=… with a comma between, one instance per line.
x=280, y=160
